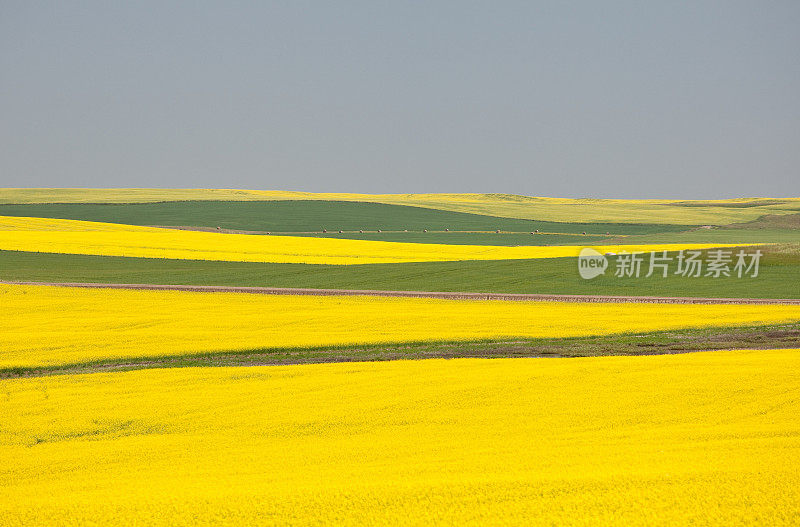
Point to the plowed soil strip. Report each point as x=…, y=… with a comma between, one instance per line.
x=419, y=294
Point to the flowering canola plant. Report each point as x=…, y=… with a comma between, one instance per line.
x=704, y=438
x=112, y=239
x=46, y=325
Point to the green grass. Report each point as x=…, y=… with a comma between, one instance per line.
x=468, y=238
x=310, y=216
x=774, y=336
x=779, y=276
x=770, y=222
x=718, y=235
x=715, y=235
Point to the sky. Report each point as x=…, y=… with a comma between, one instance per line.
x=683, y=99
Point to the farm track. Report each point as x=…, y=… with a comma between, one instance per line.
x=418, y=294
x=383, y=231
x=670, y=342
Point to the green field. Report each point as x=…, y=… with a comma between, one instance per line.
x=725, y=235
x=313, y=216
x=400, y=223
x=468, y=238
x=250, y=211
x=719, y=235
x=779, y=275
x=584, y=210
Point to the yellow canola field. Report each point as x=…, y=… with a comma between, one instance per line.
x=682, y=212
x=45, y=326
x=111, y=239
x=698, y=439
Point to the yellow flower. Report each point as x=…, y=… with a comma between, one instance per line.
x=54, y=325
x=111, y=239
x=705, y=438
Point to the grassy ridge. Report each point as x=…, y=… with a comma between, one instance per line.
x=779, y=276
x=309, y=216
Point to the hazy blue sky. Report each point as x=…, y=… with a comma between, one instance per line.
x=603, y=99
